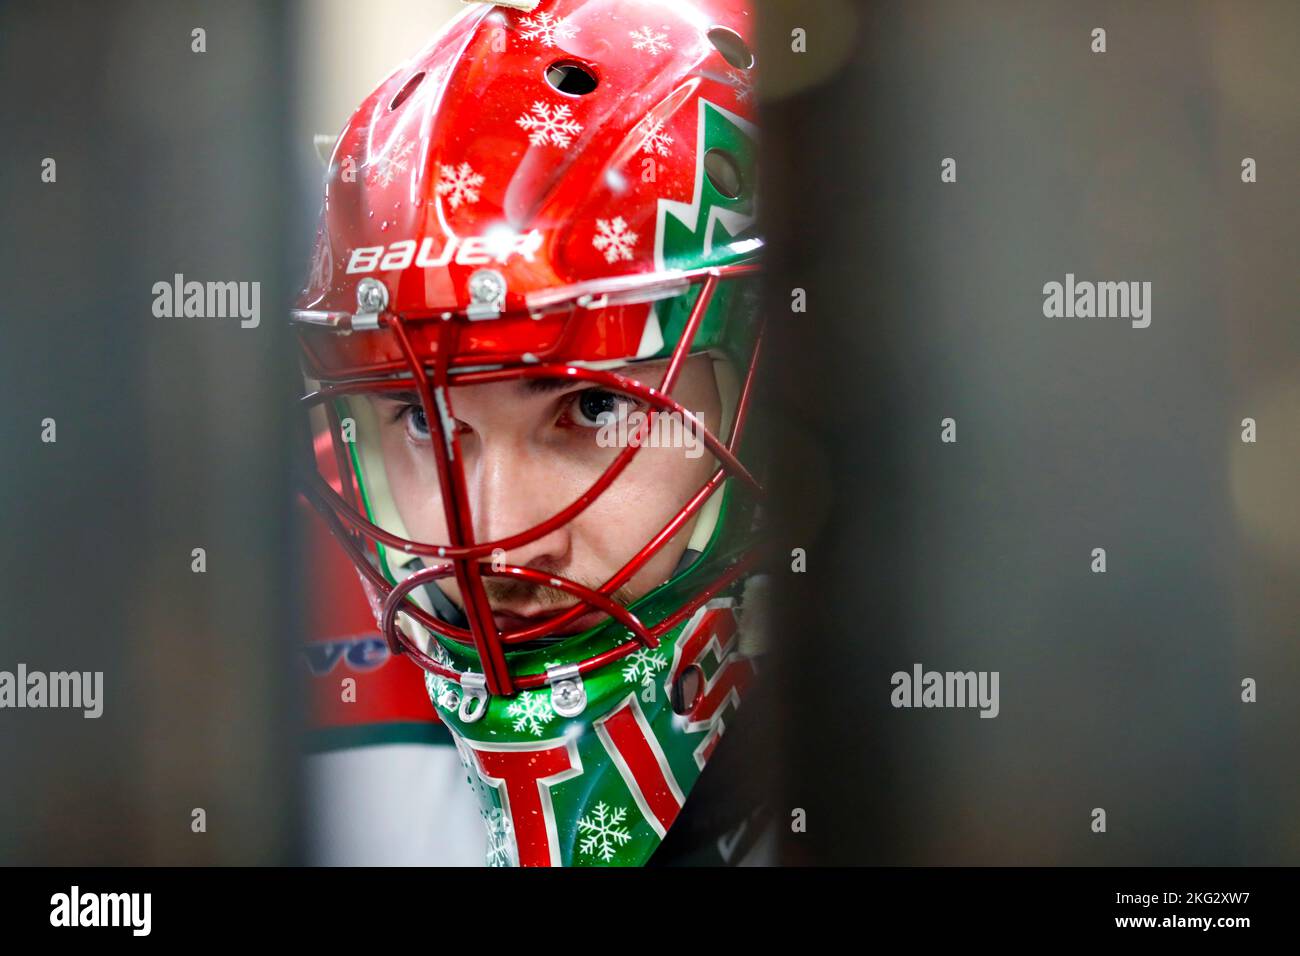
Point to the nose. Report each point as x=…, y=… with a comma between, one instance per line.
x=513, y=490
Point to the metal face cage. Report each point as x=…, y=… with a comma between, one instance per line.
x=463, y=558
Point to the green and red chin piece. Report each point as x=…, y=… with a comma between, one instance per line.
x=592, y=770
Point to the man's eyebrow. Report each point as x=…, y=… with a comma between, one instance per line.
x=551, y=384
x=534, y=386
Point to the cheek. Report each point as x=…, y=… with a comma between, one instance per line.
x=646, y=496
x=413, y=481
x=641, y=501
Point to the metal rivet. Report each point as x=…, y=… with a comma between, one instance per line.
x=568, y=694
x=487, y=293
x=372, y=295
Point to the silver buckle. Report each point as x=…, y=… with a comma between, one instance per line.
x=473, y=697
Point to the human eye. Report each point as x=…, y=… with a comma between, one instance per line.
x=412, y=415
x=593, y=407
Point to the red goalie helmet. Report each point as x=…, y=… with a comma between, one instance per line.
x=562, y=193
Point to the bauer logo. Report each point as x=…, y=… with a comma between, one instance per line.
x=469, y=251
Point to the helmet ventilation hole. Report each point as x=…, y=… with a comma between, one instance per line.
x=571, y=78
x=407, y=89
x=685, y=692
x=733, y=49
x=723, y=172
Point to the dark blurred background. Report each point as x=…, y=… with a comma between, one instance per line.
x=171, y=432
x=1119, y=691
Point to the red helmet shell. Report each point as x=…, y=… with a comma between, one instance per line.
x=469, y=158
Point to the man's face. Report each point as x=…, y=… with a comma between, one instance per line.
x=530, y=447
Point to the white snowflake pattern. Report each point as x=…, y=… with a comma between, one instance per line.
x=459, y=183
x=549, y=123
x=742, y=83
x=532, y=712
x=653, y=137
x=603, y=832
x=648, y=40
x=614, y=239
x=500, y=838
x=391, y=162
x=547, y=27
x=641, y=666
x=443, y=692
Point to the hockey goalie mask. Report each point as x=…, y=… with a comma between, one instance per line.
x=538, y=238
